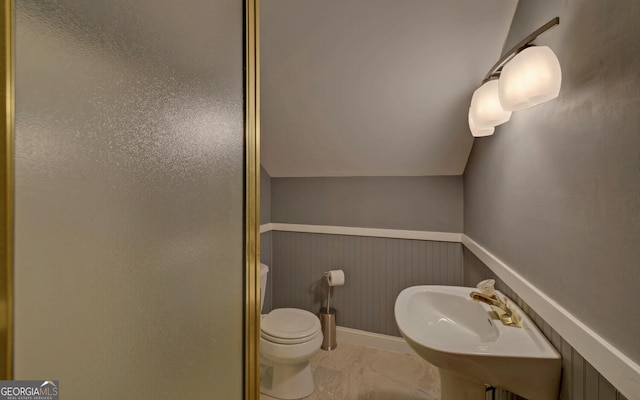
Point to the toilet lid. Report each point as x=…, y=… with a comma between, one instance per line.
x=290, y=323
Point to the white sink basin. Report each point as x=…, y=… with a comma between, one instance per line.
x=471, y=347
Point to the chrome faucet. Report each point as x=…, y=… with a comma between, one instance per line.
x=500, y=307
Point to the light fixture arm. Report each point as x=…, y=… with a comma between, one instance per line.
x=524, y=43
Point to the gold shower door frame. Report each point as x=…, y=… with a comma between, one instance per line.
x=251, y=212
x=6, y=197
x=252, y=202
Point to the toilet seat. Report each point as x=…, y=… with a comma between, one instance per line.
x=290, y=326
x=274, y=339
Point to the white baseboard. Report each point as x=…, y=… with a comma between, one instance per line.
x=374, y=340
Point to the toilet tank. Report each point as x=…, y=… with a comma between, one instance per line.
x=264, y=270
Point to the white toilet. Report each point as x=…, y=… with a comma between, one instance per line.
x=289, y=337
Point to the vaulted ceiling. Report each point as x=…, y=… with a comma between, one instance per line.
x=373, y=87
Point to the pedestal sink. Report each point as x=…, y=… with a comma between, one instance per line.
x=471, y=347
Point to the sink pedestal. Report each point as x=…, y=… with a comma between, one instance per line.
x=455, y=387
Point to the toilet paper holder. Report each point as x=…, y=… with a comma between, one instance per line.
x=328, y=315
x=327, y=276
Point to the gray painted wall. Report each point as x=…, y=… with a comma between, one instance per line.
x=266, y=238
x=265, y=196
x=580, y=381
x=376, y=270
x=413, y=203
x=555, y=193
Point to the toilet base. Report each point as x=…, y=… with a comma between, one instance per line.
x=286, y=381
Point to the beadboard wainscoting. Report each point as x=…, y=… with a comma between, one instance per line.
x=378, y=268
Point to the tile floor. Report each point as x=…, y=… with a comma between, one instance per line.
x=352, y=372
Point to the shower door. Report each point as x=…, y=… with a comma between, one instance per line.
x=129, y=179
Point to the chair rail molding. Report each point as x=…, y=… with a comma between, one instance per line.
x=368, y=232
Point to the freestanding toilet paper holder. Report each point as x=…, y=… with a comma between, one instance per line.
x=328, y=320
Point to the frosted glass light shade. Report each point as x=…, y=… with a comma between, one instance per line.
x=532, y=77
x=478, y=131
x=486, y=110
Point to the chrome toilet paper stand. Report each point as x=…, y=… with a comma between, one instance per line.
x=328, y=321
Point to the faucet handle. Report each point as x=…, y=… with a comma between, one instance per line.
x=486, y=287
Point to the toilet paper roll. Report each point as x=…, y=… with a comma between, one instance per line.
x=335, y=277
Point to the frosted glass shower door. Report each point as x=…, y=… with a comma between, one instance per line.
x=129, y=197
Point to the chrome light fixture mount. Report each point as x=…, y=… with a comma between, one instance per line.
x=523, y=77
x=524, y=43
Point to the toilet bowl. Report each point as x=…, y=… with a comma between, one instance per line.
x=289, y=337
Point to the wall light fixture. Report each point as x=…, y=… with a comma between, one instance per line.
x=486, y=109
x=479, y=131
x=525, y=76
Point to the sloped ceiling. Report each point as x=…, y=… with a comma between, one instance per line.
x=373, y=87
